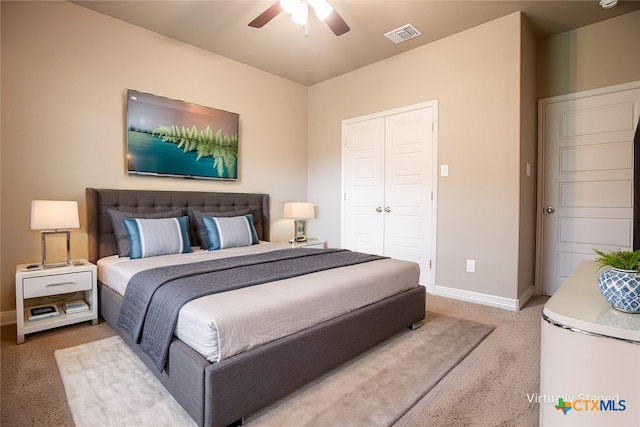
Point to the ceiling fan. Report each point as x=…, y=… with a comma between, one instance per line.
x=299, y=11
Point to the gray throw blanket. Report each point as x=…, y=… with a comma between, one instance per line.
x=154, y=297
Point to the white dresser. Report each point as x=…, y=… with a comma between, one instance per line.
x=590, y=357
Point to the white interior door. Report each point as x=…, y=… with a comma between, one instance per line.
x=408, y=187
x=587, y=180
x=363, y=176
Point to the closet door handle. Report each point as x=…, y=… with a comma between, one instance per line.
x=378, y=209
x=387, y=209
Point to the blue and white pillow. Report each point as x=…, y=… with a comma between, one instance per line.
x=230, y=232
x=196, y=215
x=153, y=237
x=120, y=231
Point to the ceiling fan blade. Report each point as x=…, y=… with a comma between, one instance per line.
x=336, y=23
x=266, y=16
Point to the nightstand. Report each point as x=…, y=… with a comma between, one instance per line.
x=49, y=286
x=310, y=243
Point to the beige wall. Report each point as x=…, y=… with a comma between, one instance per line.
x=487, y=81
x=528, y=155
x=595, y=56
x=475, y=76
x=64, y=73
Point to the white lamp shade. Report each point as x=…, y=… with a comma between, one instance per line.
x=54, y=215
x=299, y=210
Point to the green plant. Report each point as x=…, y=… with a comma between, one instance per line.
x=622, y=260
x=223, y=148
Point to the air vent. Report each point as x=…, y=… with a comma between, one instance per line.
x=402, y=34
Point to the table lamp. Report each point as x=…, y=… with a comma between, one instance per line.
x=300, y=212
x=55, y=217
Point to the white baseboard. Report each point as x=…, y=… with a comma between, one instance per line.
x=485, y=299
x=526, y=296
x=7, y=317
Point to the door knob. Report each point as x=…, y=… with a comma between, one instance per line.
x=387, y=209
x=378, y=209
x=550, y=209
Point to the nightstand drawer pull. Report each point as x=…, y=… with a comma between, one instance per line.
x=62, y=284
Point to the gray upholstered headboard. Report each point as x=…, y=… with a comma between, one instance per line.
x=102, y=241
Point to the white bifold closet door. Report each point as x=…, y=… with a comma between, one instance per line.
x=388, y=186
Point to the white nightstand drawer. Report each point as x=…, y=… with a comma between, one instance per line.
x=56, y=284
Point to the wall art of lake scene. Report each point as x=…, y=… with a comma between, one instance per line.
x=168, y=137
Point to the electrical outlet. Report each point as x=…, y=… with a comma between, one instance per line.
x=471, y=266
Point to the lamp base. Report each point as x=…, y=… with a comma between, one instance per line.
x=54, y=264
x=298, y=240
x=57, y=264
x=300, y=229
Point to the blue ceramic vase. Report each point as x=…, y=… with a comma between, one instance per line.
x=621, y=288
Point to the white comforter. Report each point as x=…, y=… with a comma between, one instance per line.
x=221, y=325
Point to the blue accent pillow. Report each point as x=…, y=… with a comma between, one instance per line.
x=230, y=232
x=120, y=231
x=195, y=217
x=153, y=237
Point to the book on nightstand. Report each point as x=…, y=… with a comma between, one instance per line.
x=76, y=306
x=42, y=312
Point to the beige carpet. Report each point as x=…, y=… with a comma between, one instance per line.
x=491, y=386
x=106, y=384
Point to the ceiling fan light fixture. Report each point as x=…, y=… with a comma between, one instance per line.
x=322, y=8
x=289, y=6
x=300, y=14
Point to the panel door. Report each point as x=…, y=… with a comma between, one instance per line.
x=587, y=181
x=408, y=187
x=363, y=181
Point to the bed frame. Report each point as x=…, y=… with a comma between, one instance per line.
x=223, y=393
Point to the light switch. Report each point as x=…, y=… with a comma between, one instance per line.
x=444, y=170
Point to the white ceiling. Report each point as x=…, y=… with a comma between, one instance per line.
x=282, y=48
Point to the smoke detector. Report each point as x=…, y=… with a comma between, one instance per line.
x=608, y=4
x=402, y=34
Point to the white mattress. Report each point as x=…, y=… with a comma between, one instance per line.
x=221, y=325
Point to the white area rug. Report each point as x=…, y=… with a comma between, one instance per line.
x=107, y=385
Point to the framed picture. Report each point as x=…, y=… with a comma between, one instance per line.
x=167, y=137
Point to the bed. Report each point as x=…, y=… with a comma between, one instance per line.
x=221, y=393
